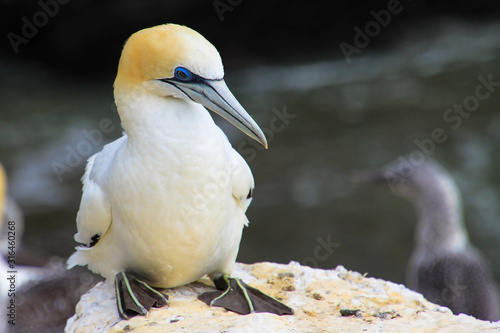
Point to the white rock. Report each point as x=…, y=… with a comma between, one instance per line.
x=316, y=295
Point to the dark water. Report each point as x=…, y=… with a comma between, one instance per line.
x=323, y=118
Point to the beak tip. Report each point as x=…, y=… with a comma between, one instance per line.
x=263, y=142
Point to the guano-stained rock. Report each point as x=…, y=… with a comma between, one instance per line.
x=323, y=300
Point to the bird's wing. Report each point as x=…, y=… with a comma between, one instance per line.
x=462, y=282
x=242, y=180
x=94, y=216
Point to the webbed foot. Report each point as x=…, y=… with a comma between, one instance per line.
x=134, y=297
x=237, y=296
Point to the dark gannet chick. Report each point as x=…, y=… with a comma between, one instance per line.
x=444, y=266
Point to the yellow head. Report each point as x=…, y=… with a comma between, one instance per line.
x=154, y=53
x=174, y=61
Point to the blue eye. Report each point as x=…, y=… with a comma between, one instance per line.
x=183, y=74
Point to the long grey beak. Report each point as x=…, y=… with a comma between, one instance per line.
x=216, y=96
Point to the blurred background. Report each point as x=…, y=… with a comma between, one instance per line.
x=330, y=101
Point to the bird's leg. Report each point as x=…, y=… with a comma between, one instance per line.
x=135, y=297
x=235, y=295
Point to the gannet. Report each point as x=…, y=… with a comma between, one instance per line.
x=164, y=205
x=444, y=266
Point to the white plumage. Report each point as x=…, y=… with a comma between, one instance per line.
x=168, y=199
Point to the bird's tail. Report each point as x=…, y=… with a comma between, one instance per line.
x=79, y=258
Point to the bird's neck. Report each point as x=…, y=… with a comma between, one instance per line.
x=150, y=120
x=440, y=226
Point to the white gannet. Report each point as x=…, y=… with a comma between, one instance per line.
x=444, y=266
x=165, y=204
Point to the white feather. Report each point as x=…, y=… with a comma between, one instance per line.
x=168, y=205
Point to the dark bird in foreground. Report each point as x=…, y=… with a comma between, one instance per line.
x=444, y=266
x=44, y=306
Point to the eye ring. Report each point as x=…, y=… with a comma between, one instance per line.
x=183, y=74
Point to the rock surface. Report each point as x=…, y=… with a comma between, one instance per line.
x=319, y=298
